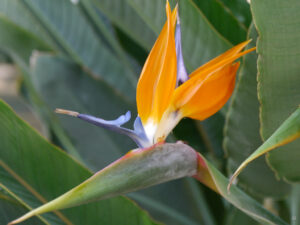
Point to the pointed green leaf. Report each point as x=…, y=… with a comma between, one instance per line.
x=242, y=132
x=37, y=171
x=278, y=25
x=286, y=133
x=136, y=170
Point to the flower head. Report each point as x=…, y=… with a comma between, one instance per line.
x=166, y=93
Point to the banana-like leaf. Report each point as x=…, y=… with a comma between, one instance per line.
x=287, y=132
x=242, y=133
x=278, y=25
x=35, y=171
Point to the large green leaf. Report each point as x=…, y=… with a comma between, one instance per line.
x=242, y=132
x=63, y=84
x=278, y=47
x=35, y=170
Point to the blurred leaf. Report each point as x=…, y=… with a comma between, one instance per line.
x=74, y=35
x=223, y=20
x=35, y=170
x=4, y=57
x=19, y=42
x=211, y=177
x=187, y=131
x=237, y=217
x=126, y=18
x=240, y=9
x=211, y=131
x=288, y=131
x=63, y=84
x=242, y=132
x=15, y=12
x=278, y=24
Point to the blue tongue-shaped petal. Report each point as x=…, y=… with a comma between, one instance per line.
x=106, y=123
x=182, y=75
x=137, y=135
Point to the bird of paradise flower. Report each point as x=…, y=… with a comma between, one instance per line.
x=166, y=93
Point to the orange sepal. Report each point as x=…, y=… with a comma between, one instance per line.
x=223, y=59
x=158, y=78
x=208, y=94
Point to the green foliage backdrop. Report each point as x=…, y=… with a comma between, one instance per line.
x=87, y=55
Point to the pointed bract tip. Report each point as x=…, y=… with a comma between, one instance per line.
x=67, y=112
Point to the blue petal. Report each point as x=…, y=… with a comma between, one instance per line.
x=182, y=75
x=139, y=128
x=106, y=123
x=138, y=135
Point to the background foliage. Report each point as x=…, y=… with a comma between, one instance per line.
x=87, y=55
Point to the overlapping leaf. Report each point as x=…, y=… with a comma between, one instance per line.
x=278, y=47
x=242, y=132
